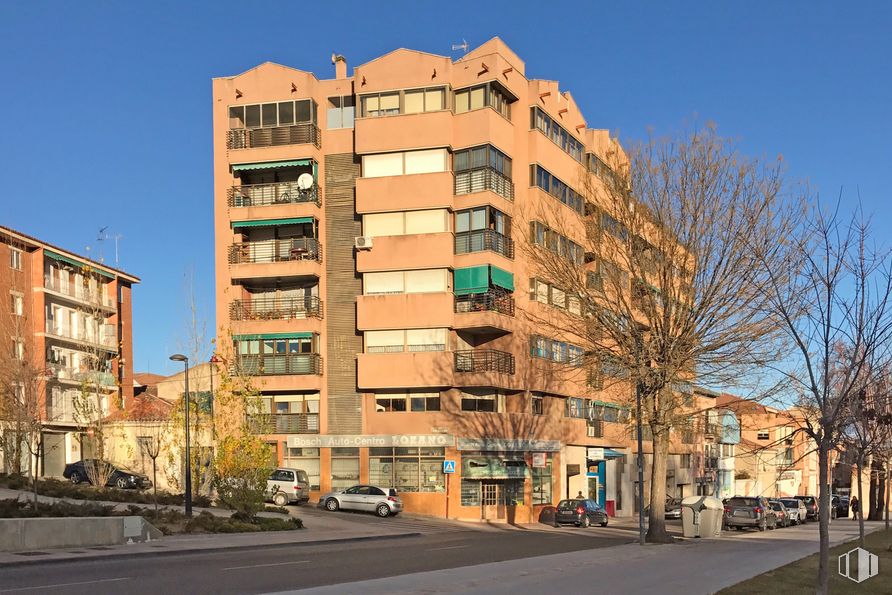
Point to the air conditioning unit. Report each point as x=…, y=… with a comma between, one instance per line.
x=362, y=242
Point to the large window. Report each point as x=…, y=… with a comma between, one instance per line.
x=546, y=293
x=558, y=351
x=394, y=282
x=405, y=163
x=409, y=101
x=540, y=177
x=272, y=115
x=542, y=483
x=598, y=167
x=18, y=303
x=405, y=223
x=341, y=112
x=490, y=94
x=306, y=459
x=15, y=259
x=407, y=401
x=344, y=468
x=398, y=341
x=541, y=235
x=483, y=168
x=486, y=400
x=557, y=133
x=408, y=469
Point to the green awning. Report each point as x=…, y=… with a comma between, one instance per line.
x=501, y=278
x=271, y=222
x=270, y=336
x=270, y=164
x=76, y=263
x=471, y=280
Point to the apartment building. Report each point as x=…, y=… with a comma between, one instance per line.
x=368, y=277
x=69, y=317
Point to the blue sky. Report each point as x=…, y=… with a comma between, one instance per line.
x=109, y=103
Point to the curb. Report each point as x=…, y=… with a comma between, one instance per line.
x=198, y=550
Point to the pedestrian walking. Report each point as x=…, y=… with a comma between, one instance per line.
x=580, y=496
x=856, y=507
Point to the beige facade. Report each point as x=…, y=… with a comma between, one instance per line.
x=368, y=277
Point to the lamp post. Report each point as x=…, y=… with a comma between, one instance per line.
x=188, y=497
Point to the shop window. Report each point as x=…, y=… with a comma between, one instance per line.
x=541, y=484
x=306, y=459
x=408, y=469
x=344, y=468
x=470, y=492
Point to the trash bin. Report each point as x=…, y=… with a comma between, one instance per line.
x=701, y=516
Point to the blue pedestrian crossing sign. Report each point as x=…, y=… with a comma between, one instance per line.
x=448, y=466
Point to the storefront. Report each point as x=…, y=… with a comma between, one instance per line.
x=601, y=463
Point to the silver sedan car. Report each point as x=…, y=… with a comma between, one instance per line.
x=382, y=501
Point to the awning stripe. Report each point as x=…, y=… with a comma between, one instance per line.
x=271, y=222
x=76, y=263
x=270, y=164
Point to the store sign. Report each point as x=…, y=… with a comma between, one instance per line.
x=370, y=440
x=595, y=454
x=539, y=459
x=508, y=444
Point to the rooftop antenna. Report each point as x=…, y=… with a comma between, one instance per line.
x=101, y=237
x=463, y=46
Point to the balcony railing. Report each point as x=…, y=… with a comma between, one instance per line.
x=711, y=463
x=282, y=308
x=83, y=294
x=261, y=195
x=60, y=372
x=484, y=239
x=483, y=178
x=305, y=133
x=105, y=339
x=491, y=301
x=284, y=423
x=484, y=360
x=275, y=251
x=278, y=364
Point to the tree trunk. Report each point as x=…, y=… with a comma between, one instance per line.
x=888, y=483
x=823, y=586
x=872, y=489
x=155, y=482
x=881, y=493
x=858, y=466
x=656, y=528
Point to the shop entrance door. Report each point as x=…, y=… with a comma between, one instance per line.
x=593, y=489
x=492, y=504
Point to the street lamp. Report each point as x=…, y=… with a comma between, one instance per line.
x=188, y=498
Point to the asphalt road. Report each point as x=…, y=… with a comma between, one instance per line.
x=293, y=567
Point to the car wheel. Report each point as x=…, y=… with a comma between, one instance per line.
x=586, y=522
x=331, y=504
x=280, y=499
x=763, y=526
x=75, y=477
x=557, y=525
x=383, y=511
x=604, y=523
x=121, y=483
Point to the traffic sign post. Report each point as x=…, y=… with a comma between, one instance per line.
x=448, y=471
x=448, y=466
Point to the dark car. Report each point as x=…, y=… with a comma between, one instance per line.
x=811, y=507
x=750, y=511
x=842, y=507
x=581, y=513
x=783, y=516
x=118, y=477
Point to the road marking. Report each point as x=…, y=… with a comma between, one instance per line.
x=59, y=585
x=451, y=547
x=265, y=565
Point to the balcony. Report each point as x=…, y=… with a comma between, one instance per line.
x=105, y=340
x=73, y=376
x=481, y=179
x=284, y=423
x=488, y=313
x=297, y=134
x=276, y=308
x=484, y=239
x=262, y=195
x=275, y=251
x=79, y=294
x=416, y=191
x=280, y=364
x=484, y=360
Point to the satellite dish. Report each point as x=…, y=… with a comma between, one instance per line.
x=305, y=181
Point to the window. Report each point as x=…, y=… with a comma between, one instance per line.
x=483, y=168
x=558, y=351
x=537, y=404
x=541, y=178
x=18, y=304
x=554, y=242
x=397, y=341
x=341, y=112
x=407, y=401
x=410, y=101
x=483, y=400
x=545, y=293
x=685, y=461
x=558, y=134
x=542, y=483
x=393, y=282
x=598, y=167
x=15, y=259
x=344, y=468
x=483, y=228
x=404, y=163
x=612, y=366
x=272, y=115
x=470, y=492
x=306, y=459
x=408, y=469
x=405, y=223
x=594, y=428
x=762, y=435
x=490, y=94
x=614, y=227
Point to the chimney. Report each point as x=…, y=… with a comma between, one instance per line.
x=340, y=63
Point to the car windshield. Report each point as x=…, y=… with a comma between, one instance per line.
x=302, y=477
x=743, y=502
x=777, y=506
x=568, y=504
x=392, y=493
x=793, y=503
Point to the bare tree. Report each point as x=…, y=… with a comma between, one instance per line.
x=153, y=437
x=669, y=288
x=831, y=299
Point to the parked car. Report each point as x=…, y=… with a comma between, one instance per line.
x=382, y=501
x=673, y=508
x=746, y=511
x=780, y=509
x=796, y=509
x=118, y=477
x=581, y=513
x=842, y=507
x=811, y=506
x=287, y=485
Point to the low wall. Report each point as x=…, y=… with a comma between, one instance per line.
x=42, y=533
